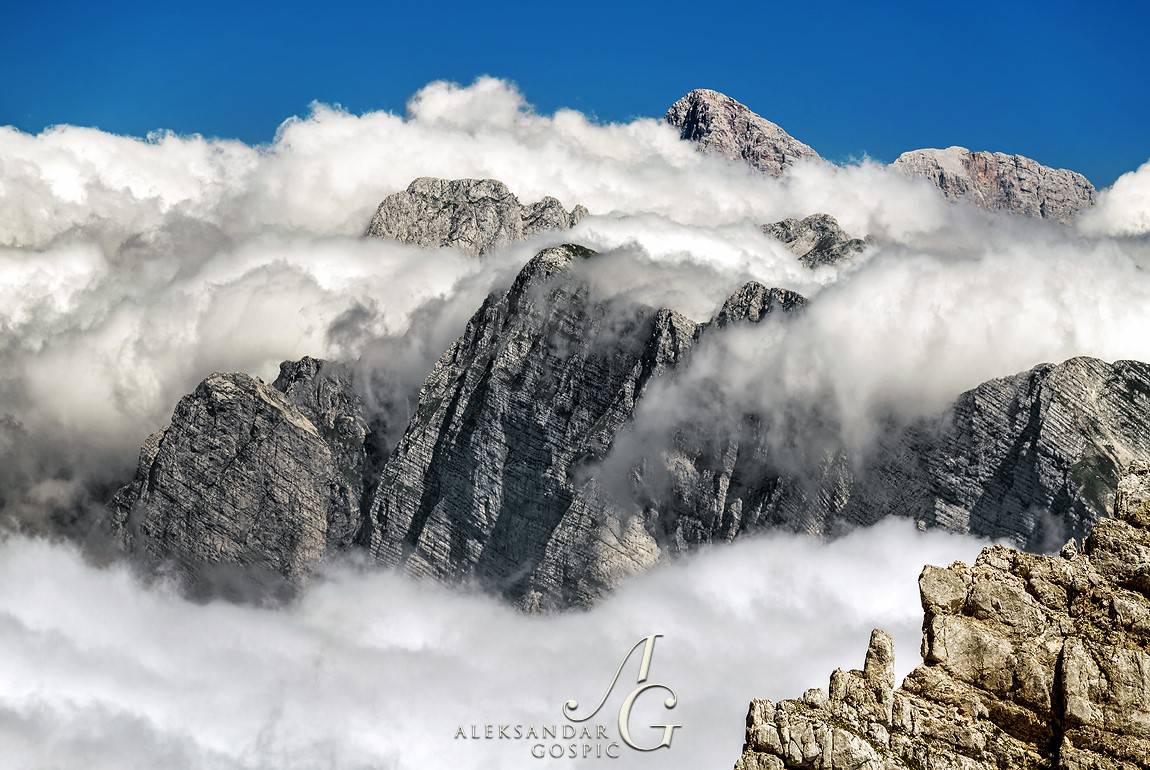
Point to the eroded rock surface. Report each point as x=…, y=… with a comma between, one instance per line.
x=816, y=240
x=995, y=180
x=485, y=485
x=1033, y=457
x=528, y=467
x=719, y=124
x=525, y=470
x=472, y=215
x=250, y=475
x=1028, y=662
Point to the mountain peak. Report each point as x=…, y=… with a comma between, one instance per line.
x=721, y=125
x=472, y=215
x=996, y=180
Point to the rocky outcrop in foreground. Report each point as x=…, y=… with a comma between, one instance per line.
x=720, y=125
x=472, y=215
x=1028, y=662
x=816, y=240
x=264, y=477
x=995, y=180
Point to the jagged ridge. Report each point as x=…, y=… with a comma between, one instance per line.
x=472, y=215
x=1028, y=662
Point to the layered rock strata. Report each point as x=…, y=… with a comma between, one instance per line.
x=263, y=477
x=1028, y=662
x=997, y=181
x=472, y=215
x=718, y=124
x=816, y=240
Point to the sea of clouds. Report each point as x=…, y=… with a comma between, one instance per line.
x=372, y=670
x=131, y=268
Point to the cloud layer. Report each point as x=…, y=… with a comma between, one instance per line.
x=130, y=269
x=371, y=670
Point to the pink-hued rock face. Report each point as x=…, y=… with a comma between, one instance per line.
x=995, y=180
x=721, y=125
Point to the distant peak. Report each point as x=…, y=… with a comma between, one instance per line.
x=721, y=125
x=998, y=181
x=472, y=215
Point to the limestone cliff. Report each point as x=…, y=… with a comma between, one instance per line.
x=718, y=124
x=816, y=240
x=267, y=478
x=472, y=215
x=1028, y=662
x=995, y=180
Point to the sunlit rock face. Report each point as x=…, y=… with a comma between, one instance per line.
x=718, y=124
x=816, y=240
x=472, y=215
x=267, y=478
x=1028, y=662
x=995, y=180
x=524, y=467
x=487, y=484
x=507, y=475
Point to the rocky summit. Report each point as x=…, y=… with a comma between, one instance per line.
x=524, y=470
x=472, y=215
x=718, y=124
x=263, y=477
x=487, y=484
x=816, y=240
x=1029, y=662
x=991, y=180
x=995, y=180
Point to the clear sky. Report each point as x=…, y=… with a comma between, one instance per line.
x=1063, y=82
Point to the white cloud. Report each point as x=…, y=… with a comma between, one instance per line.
x=374, y=670
x=1123, y=208
x=133, y=268
x=130, y=269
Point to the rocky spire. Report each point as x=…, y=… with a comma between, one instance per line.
x=249, y=481
x=1028, y=662
x=816, y=240
x=995, y=180
x=719, y=124
x=472, y=215
x=486, y=483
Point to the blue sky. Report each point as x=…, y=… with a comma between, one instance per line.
x=1063, y=82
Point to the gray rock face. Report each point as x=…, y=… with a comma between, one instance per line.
x=485, y=485
x=816, y=240
x=250, y=475
x=519, y=470
x=499, y=479
x=719, y=124
x=994, y=180
x=1033, y=457
x=1028, y=662
x=472, y=215
x=522, y=470
x=753, y=302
